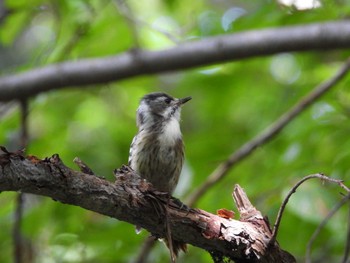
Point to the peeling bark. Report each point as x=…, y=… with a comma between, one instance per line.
x=132, y=199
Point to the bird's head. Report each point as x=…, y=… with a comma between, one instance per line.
x=159, y=107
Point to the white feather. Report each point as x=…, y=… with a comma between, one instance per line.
x=171, y=132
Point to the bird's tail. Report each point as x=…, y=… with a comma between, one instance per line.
x=175, y=247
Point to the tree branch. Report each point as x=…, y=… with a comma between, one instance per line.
x=134, y=200
x=267, y=134
x=331, y=35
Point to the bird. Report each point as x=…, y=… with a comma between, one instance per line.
x=157, y=150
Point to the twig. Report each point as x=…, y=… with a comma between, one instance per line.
x=219, y=49
x=18, y=239
x=80, y=30
x=146, y=248
x=125, y=10
x=292, y=191
x=24, y=124
x=83, y=166
x=347, y=246
x=343, y=201
x=266, y=135
x=17, y=233
x=134, y=22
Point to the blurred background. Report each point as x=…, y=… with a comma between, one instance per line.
x=232, y=103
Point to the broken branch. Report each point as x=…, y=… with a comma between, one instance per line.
x=132, y=199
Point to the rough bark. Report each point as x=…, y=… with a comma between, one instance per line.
x=321, y=36
x=132, y=199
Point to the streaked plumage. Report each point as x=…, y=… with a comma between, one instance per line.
x=156, y=152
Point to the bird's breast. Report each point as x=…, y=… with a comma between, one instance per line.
x=171, y=133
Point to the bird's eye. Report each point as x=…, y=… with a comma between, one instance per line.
x=167, y=101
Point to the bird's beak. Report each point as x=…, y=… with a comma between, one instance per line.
x=183, y=100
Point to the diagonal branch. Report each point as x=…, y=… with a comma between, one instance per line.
x=321, y=36
x=134, y=200
x=330, y=214
x=266, y=135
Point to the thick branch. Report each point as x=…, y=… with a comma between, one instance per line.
x=133, y=200
x=212, y=50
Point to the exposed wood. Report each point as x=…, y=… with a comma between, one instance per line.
x=132, y=199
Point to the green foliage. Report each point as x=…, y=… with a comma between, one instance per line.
x=231, y=104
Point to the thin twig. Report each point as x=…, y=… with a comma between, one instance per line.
x=146, y=248
x=269, y=133
x=331, y=213
x=125, y=10
x=292, y=191
x=17, y=232
x=80, y=30
x=347, y=246
x=24, y=124
x=135, y=23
